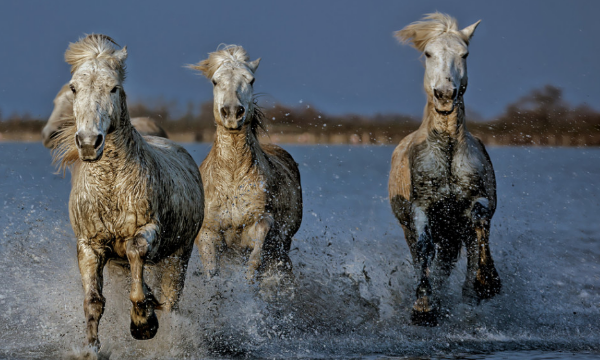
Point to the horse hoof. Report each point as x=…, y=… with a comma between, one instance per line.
x=424, y=313
x=424, y=318
x=488, y=287
x=146, y=330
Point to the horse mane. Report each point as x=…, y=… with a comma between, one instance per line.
x=257, y=120
x=419, y=33
x=64, y=153
x=208, y=67
x=97, y=47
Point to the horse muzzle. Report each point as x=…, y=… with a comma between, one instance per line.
x=444, y=100
x=89, y=146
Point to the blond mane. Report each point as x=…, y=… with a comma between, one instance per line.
x=96, y=47
x=208, y=67
x=419, y=33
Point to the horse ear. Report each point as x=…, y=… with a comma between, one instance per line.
x=121, y=55
x=467, y=32
x=253, y=65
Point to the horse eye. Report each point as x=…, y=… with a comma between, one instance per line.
x=114, y=90
x=427, y=54
x=252, y=82
x=465, y=55
x=214, y=82
x=73, y=89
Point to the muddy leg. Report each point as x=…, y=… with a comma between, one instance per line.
x=91, y=264
x=254, y=238
x=173, y=273
x=425, y=310
x=482, y=280
x=144, y=323
x=207, y=242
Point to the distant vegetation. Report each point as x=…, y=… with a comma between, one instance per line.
x=542, y=117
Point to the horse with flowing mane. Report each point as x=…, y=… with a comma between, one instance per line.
x=442, y=185
x=253, y=192
x=62, y=114
x=134, y=199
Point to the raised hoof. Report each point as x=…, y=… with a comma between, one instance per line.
x=487, y=287
x=424, y=313
x=146, y=330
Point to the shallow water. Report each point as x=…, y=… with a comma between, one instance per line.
x=354, y=278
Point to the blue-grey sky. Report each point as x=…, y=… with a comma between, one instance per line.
x=338, y=55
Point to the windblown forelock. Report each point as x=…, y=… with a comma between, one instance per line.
x=95, y=47
x=420, y=33
x=234, y=54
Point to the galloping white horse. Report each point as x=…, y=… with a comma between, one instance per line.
x=135, y=199
x=253, y=192
x=442, y=186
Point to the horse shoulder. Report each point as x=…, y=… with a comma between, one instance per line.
x=399, y=180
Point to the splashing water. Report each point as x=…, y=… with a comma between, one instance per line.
x=354, y=283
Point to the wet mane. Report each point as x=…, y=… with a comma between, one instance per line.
x=64, y=153
x=231, y=53
x=96, y=47
x=257, y=120
x=419, y=33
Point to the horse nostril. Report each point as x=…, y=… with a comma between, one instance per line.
x=239, y=111
x=454, y=92
x=77, y=141
x=224, y=112
x=98, y=142
x=438, y=94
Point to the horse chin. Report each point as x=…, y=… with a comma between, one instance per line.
x=445, y=108
x=234, y=126
x=86, y=157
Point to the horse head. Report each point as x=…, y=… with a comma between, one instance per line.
x=98, y=72
x=446, y=50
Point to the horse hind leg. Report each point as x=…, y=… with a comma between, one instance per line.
x=173, y=271
x=483, y=281
x=144, y=323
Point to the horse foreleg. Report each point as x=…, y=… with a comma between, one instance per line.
x=173, y=273
x=254, y=238
x=482, y=280
x=91, y=264
x=424, y=309
x=144, y=323
x=207, y=242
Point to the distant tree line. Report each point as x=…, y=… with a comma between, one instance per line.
x=541, y=117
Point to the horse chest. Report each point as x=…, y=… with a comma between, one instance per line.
x=239, y=205
x=443, y=172
x=107, y=208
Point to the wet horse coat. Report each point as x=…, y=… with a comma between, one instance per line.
x=253, y=191
x=133, y=199
x=442, y=186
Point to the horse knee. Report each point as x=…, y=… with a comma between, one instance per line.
x=480, y=212
x=93, y=306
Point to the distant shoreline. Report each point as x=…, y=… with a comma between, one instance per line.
x=541, y=118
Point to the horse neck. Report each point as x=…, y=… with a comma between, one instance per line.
x=123, y=142
x=236, y=152
x=450, y=126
